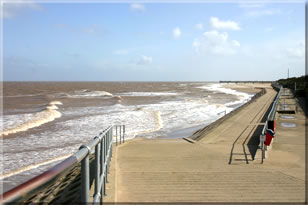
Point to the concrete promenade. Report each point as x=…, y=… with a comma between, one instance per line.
x=217, y=167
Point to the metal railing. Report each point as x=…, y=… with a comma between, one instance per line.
x=101, y=145
x=270, y=117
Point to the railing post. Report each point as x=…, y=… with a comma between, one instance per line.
x=121, y=136
x=111, y=143
x=106, y=159
x=85, y=177
x=120, y=133
x=102, y=168
x=123, y=133
x=116, y=134
x=97, y=169
x=110, y=134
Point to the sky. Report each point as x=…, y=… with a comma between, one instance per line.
x=152, y=41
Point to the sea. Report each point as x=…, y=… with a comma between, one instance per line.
x=43, y=123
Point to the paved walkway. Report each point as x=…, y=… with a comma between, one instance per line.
x=217, y=168
x=288, y=150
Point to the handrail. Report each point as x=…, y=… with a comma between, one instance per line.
x=270, y=117
x=102, y=146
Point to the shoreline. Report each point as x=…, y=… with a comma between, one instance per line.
x=249, y=88
x=199, y=134
x=188, y=132
x=138, y=163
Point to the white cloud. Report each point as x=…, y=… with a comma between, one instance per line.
x=235, y=43
x=196, y=43
x=121, y=52
x=144, y=60
x=216, y=43
x=199, y=26
x=137, y=7
x=177, y=32
x=13, y=9
x=224, y=25
x=264, y=12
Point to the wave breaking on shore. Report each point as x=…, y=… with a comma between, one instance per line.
x=28, y=121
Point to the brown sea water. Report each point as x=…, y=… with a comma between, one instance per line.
x=44, y=122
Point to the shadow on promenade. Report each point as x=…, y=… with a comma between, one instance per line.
x=302, y=103
x=254, y=141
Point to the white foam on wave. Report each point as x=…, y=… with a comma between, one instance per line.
x=23, y=122
x=89, y=93
x=140, y=120
x=157, y=121
x=72, y=133
x=84, y=94
x=148, y=94
x=184, y=114
x=243, y=97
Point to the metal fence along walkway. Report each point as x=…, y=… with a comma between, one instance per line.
x=89, y=165
x=270, y=118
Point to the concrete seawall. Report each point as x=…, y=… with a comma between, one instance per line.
x=202, y=132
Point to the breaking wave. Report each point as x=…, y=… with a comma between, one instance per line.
x=156, y=115
x=29, y=121
x=84, y=94
x=90, y=93
x=149, y=94
x=243, y=97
